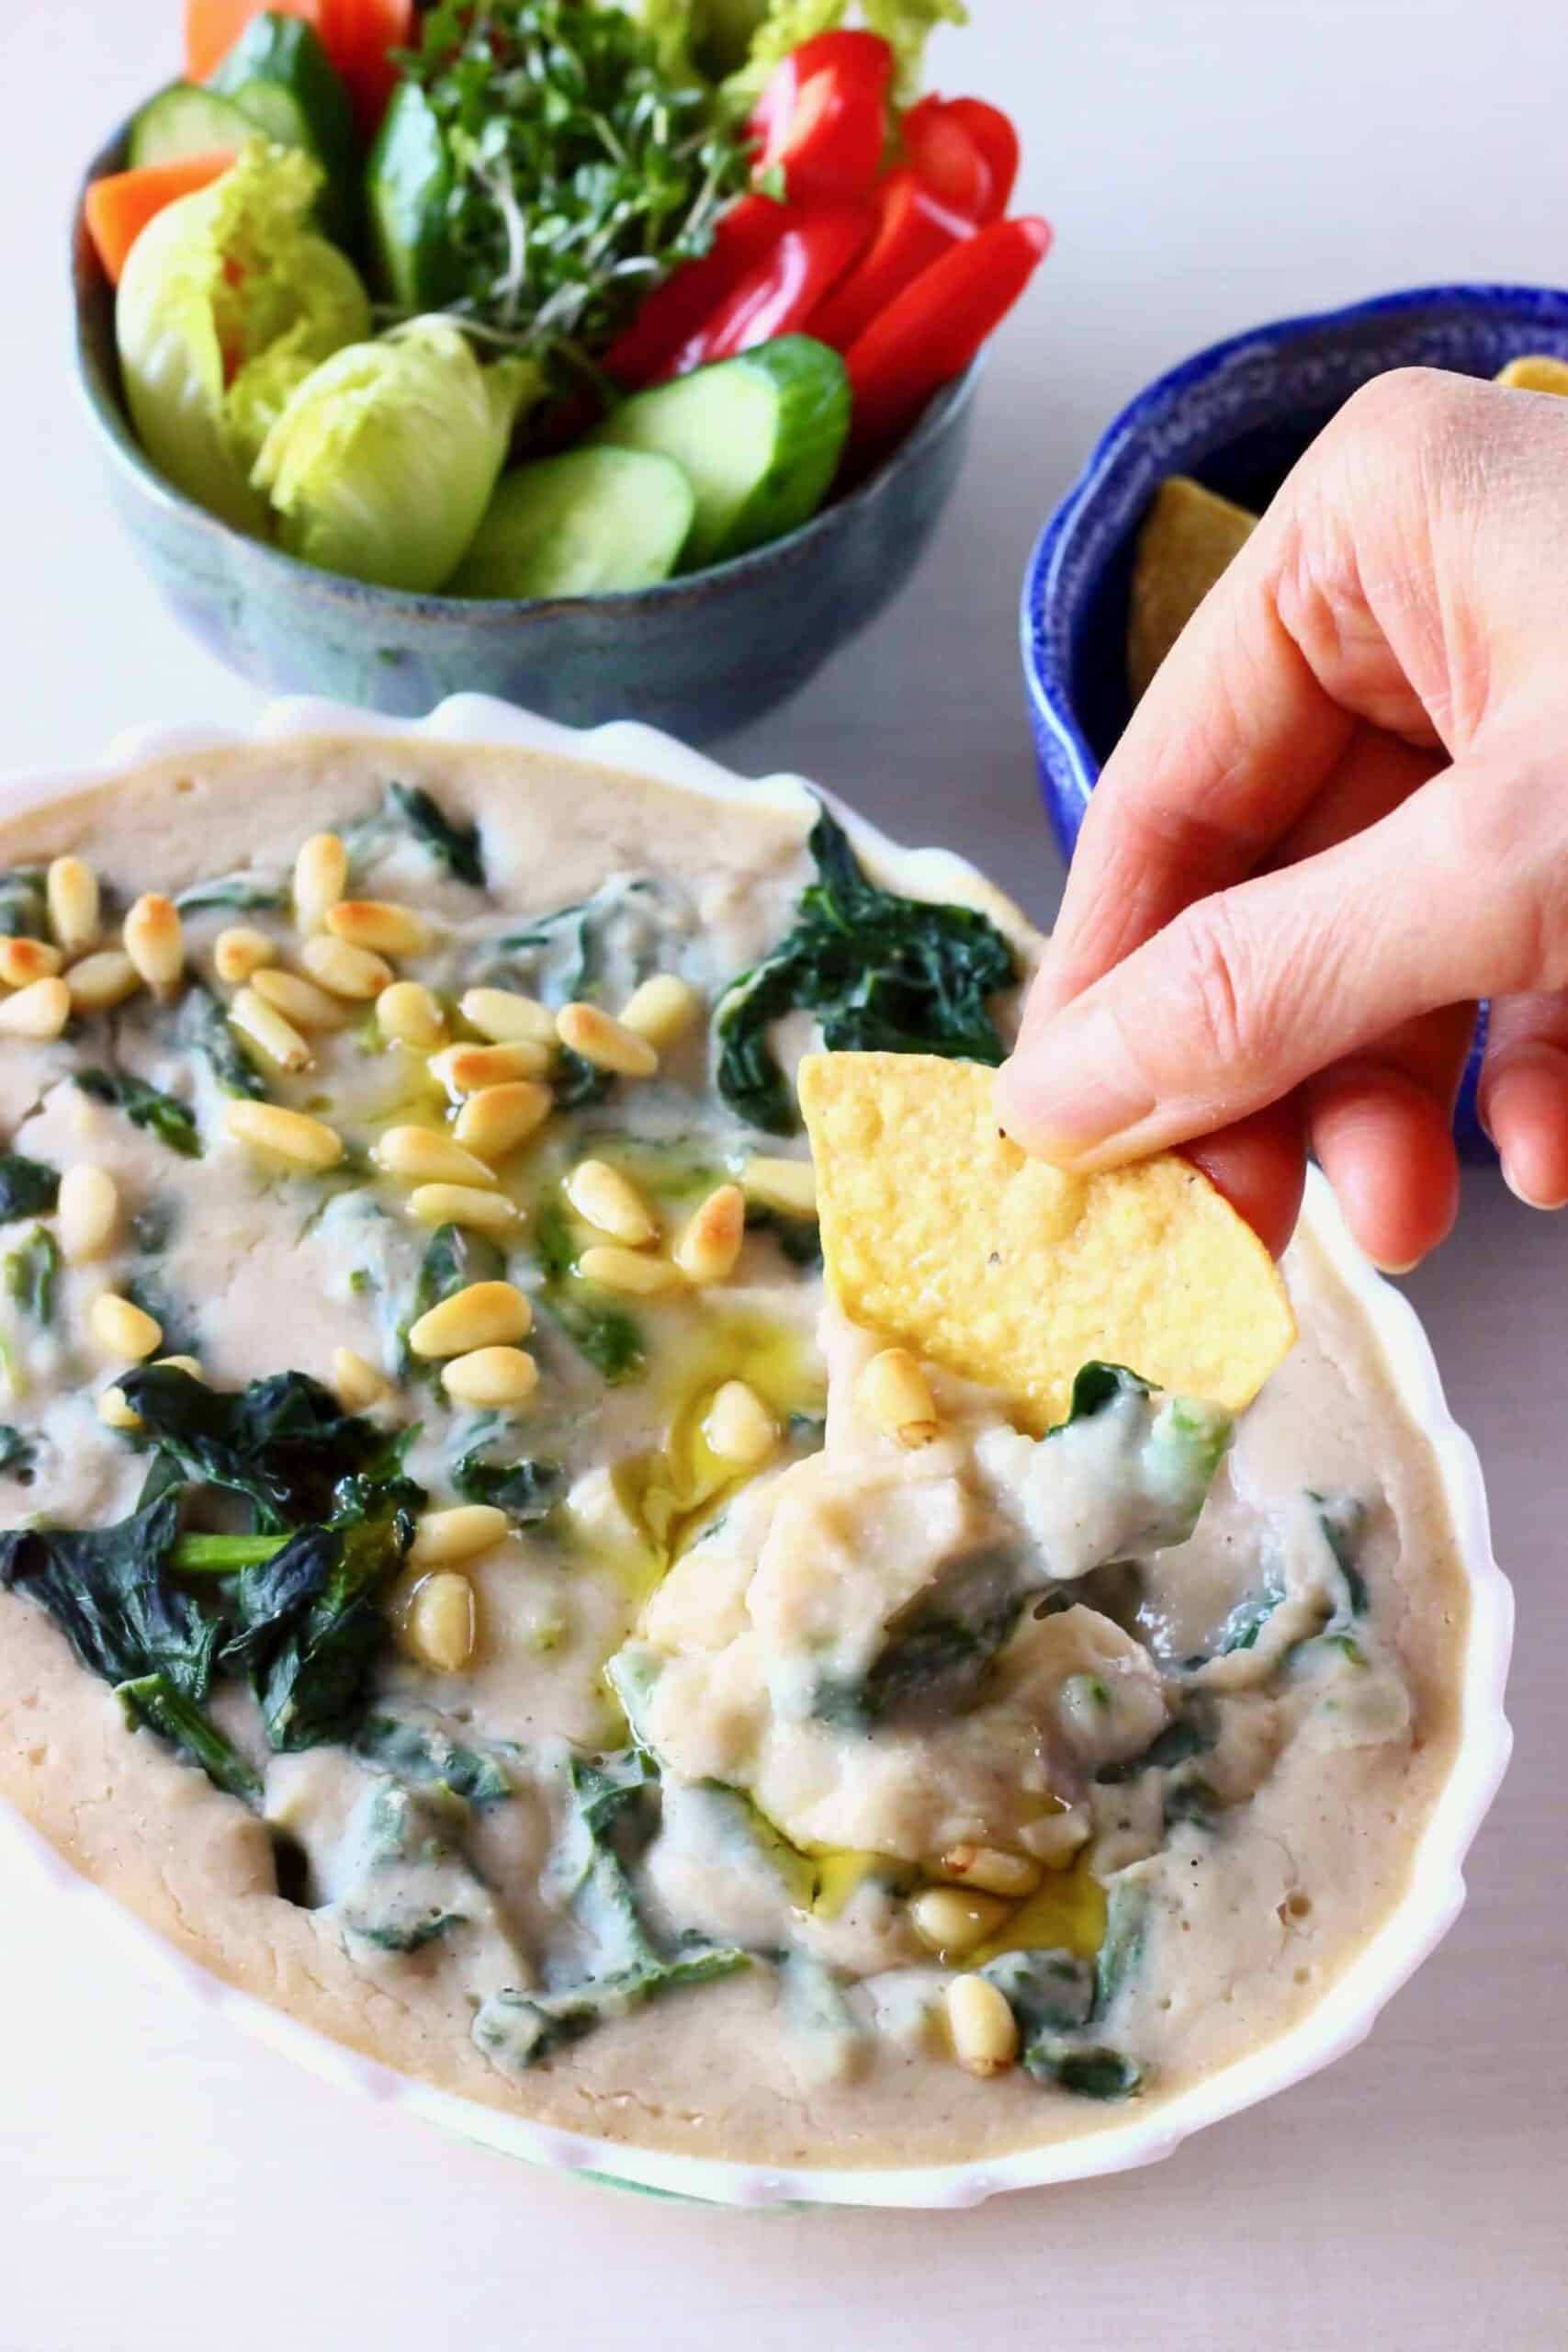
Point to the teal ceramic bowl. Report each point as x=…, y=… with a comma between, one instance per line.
x=698, y=656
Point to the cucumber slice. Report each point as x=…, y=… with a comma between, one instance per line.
x=407, y=182
x=760, y=437
x=587, y=524
x=182, y=120
x=278, y=74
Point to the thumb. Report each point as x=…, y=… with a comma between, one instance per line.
x=1252, y=991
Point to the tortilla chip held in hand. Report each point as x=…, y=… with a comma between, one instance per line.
x=1185, y=541
x=939, y=1234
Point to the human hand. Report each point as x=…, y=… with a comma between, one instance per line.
x=1338, y=817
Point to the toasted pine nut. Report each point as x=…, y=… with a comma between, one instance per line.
x=320, y=878
x=22, y=961
x=627, y=1270
x=610, y=1202
x=952, y=1923
x=425, y=1156
x=88, y=1212
x=504, y=1016
x=991, y=1871
x=240, y=951
x=115, y=1413
x=708, y=1248
x=298, y=1000
x=787, y=1185
x=895, y=1393
x=40, y=1010
x=661, y=1009
x=155, y=941
x=585, y=1030
x=739, y=1426
x=463, y=1204
x=456, y=1535
x=481, y=1315
x=439, y=1627
x=71, y=889
x=100, y=983
x=984, y=2028
x=380, y=925
x=410, y=1014
x=123, y=1329
x=498, y=1118
x=187, y=1364
x=356, y=1384
x=353, y=972
x=268, y=1031
x=491, y=1377
x=292, y=1135
x=467, y=1069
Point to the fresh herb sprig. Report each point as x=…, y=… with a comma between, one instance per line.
x=582, y=171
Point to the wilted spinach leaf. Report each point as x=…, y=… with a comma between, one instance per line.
x=941, y=1645
x=607, y=1335
x=204, y=1027
x=525, y=1490
x=23, y=907
x=800, y=1237
x=517, y=2029
x=110, y=1591
x=454, y=1256
x=881, y=973
x=154, y=1699
x=285, y=1442
x=424, y=1753
x=31, y=1273
x=1342, y=1518
x=311, y=1622
x=243, y=893
x=18, y=1454
x=27, y=1187
x=454, y=846
x=158, y=1114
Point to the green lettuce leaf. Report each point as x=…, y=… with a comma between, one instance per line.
x=384, y=460
x=230, y=299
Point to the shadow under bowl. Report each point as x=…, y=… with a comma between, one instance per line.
x=699, y=655
x=1238, y=416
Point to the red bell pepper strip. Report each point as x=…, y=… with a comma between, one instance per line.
x=913, y=231
x=359, y=36
x=966, y=153
x=931, y=332
x=671, y=314
x=822, y=122
x=778, y=294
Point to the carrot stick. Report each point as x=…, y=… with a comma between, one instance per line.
x=212, y=27
x=118, y=208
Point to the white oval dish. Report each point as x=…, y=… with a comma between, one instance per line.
x=1436, y=1891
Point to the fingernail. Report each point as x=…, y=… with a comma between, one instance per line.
x=1521, y=1191
x=1075, y=1089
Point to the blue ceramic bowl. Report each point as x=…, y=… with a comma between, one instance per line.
x=697, y=656
x=1238, y=416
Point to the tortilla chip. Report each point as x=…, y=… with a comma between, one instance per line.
x=1534, y=372
x=1185, y=541
x=939, y=1234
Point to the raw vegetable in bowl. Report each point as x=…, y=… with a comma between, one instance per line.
x=371, y=253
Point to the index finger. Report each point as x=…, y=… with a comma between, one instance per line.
x=1255, y=705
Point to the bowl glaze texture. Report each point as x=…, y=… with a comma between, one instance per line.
x=1237, y=415
x=700, y=655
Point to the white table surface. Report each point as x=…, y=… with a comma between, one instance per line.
x=1208, y=164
